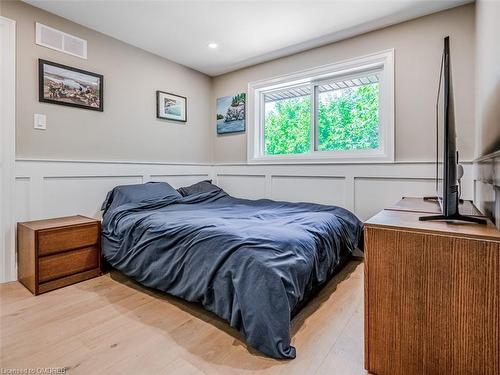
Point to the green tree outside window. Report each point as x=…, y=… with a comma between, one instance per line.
x=347, y=119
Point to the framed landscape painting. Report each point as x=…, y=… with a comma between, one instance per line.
x=171, y=106
x=64, y=85
x=231, y=114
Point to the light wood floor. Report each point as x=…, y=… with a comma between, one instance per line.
x=112, y=325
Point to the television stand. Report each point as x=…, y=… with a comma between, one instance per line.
x=436, y=199
x=456, y=217
x=431, y=293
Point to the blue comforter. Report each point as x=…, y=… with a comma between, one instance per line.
x=253, y=263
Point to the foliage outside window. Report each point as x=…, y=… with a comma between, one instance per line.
x=348, y=118
x=287, y=126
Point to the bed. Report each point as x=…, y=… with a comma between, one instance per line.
x=254, y=263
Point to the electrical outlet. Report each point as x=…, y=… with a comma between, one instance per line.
x=40, y=121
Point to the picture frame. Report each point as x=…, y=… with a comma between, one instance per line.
x=231, y=114
x=65, y=85
x=171, y=107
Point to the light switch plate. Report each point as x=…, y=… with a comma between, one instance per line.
x=40, y=121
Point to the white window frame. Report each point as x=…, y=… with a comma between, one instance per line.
x=381, y=61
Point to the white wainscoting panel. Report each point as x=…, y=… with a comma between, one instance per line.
x=178, y=181
x=248, y=186
x=316, y=189
x=79, y=194
x=485, y=196
x=22, y=198
x=364, y=189
x=46, y=189
x=372, y=194
x=486, y=176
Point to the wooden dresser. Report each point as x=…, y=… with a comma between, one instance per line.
x=57, y=252
x=432, y=293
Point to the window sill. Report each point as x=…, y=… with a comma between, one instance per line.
x=379, y=159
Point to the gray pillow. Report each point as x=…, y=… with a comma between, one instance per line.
x=199, y=187
x=150, y=191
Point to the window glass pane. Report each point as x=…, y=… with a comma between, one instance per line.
x=287, y=127
x=348, y=115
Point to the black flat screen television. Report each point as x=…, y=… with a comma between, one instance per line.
x=446, y=148
x=447, y=184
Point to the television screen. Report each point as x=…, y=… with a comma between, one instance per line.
x=447, y=184
x=446, y=164
x=440, y=119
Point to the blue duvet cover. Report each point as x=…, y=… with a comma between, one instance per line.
x=254, y=263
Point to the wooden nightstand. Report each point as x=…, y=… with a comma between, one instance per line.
x=57, y=252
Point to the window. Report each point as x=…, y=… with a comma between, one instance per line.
x=337, y=113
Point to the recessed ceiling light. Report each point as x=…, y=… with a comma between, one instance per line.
x=213, y=45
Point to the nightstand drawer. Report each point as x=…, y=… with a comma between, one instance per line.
x=51, y=241
x=68, y=263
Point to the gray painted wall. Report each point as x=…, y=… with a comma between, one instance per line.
x=418, y=45
x=487, y=180
x=128, y=128
x=487, y=77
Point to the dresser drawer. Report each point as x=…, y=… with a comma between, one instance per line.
x=52, y=241
x=68, y=263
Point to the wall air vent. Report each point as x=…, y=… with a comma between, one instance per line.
x=60, y=41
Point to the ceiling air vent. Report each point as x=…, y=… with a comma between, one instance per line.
x=51, y=38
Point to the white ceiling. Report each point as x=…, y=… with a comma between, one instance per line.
x=247, y=32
